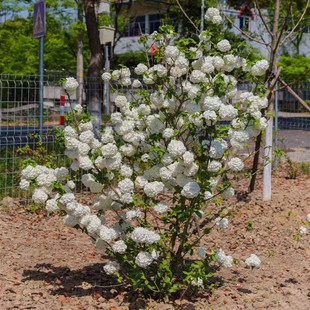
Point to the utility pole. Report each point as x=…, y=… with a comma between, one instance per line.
x=106, y=41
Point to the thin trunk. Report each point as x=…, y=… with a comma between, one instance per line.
x=79, y=57
x=94, y=86
x=269, y=75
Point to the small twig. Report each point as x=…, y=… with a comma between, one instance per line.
x=10, y=280
x=187, y=16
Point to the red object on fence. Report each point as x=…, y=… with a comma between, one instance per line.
x=62, y=110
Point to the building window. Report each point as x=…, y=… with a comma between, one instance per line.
x=307, y=29
x=244, y=23
x=245, y=15
x=135, y=27
x=155, y=22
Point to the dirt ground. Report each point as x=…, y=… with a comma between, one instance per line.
x=44, y=265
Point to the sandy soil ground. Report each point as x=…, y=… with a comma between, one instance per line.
x=44, y=265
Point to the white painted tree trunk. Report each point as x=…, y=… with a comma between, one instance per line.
x=268, y=161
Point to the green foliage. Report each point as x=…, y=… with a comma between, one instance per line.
x=249, y=226
x=130, y=59
x=295, y=69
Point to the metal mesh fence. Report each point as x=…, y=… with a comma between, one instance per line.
x=19, y=123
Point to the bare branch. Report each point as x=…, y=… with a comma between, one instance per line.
x=261, y=16
x=294, y=82
x=240, y=30
x=291, y=91
x=296, y=25
x=187, y=16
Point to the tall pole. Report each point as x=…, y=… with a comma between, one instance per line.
x=202, y=15
x=107, y=84
x=41, y=79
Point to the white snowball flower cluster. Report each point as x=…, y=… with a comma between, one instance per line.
x=253, y=261
x=145, y=236
x=70, y=85
x=235, y=164
x=224, y=46
x=161, y=208
x=143, y=259
x=214, y=16
x=260, y=67
x=224, y=260
x=111, y=268
x=308, y=218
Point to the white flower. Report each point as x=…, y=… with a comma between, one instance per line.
x=197, y=76
x=121, y=101
x=198, y=283
x=70, y=85
x=108, y=234
x=190, y=190
x=111, y=268
x=168, y=133
x=161, y=208
x=93, y=224
x=67, y=198
x=144, y=259
x=228, y=112
x=145, y=236
x=119, y=247
x=214, y=166
x=136, y=84
x=212, y=103
x=221, y=222
x=308, y=218
x=224, y=260
x=61, y=173
x=39, y=196
x=235, y=164
x=224, y=46
x=260, y=67
x=106, y=76
x=228, y=193
x=86, y=126
x=302, y=230
x=132, y=214
x=113, y=163
x=140, y=181
x=140, y=69
x=126, y=186
x=126, y=171
x=208, y=195
x=87, y=136
x=176, y=148
x=24, y=184
x=85, y=163
x=152, y=189
x=172, y=52
x=253, y=261
x=128, y=150
x=51, y=206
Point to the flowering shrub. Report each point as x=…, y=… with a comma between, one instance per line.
x=154, y=171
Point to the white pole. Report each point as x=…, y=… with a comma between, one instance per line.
x=267, y=161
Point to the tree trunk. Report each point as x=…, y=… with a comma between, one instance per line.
x=79, y=57
x=94, y=84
